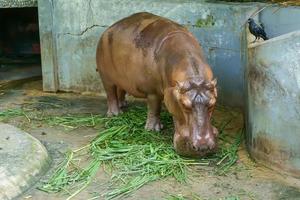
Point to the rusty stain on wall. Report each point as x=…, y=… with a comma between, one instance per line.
x=268, y=150
x=262, y=81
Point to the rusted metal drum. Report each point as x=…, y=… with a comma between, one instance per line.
x=273, y=103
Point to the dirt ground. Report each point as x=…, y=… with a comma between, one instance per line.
x=247, y=180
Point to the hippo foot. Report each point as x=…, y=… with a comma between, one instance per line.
x=123, y=104
x=113, y=113
x=153, y=125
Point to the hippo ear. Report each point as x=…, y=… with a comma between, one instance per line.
x=214, y=82
x=179, y=84
x=215, y=92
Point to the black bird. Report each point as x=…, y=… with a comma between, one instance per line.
x=256, y=30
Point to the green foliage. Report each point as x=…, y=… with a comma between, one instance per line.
x=209, y=21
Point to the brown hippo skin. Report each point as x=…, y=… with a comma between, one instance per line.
x=148, y=56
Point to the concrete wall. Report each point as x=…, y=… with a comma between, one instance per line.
x=18, y=3
x=273, y=93
x=77, y=26
x=70, y=30
x=279, y=21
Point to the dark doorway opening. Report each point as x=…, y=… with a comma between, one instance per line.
x=20, y=57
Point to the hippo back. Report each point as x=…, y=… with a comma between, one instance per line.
x=128, y=50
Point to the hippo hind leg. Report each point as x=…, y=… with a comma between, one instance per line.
x=153, y=118
x=121, y=98
x=112, y=99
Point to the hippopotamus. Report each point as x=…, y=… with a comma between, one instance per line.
x=152, y=57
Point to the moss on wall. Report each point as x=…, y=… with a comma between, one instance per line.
x=209, y=21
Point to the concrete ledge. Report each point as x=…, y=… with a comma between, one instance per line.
x=22, y=159
x=12, y=75
x=286, y=36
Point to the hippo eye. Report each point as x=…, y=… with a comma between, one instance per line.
x=210, y=98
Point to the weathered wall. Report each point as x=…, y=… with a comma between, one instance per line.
x=273, y=93
x=70, y=30
x=77, y=26
x=18, y=3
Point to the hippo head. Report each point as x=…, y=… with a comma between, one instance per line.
x=191, y=103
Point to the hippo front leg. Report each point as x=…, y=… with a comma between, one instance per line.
x=153, y=118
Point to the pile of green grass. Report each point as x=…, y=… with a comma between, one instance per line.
x=133, y=156
x=71, y=122
x=12, y=113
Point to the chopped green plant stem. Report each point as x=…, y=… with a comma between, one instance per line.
x=228, y=154
x=68, y=174
x=11, y=113
x=176, y=197
x=232, y=198
x=183, y=197
x=73, y=122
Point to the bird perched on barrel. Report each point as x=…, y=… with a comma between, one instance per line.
x=256, y=30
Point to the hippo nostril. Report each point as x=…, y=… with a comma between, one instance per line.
x=199, y=146
x=203, y=145
x=194, y=147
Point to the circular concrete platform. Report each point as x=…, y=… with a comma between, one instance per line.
x=22, y=159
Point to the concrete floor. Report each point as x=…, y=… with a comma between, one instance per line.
x=247, y=180
x=14, y=74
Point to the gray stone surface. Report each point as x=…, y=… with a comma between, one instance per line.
x=18, y=3
x=273, y=93
x=22, y=159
